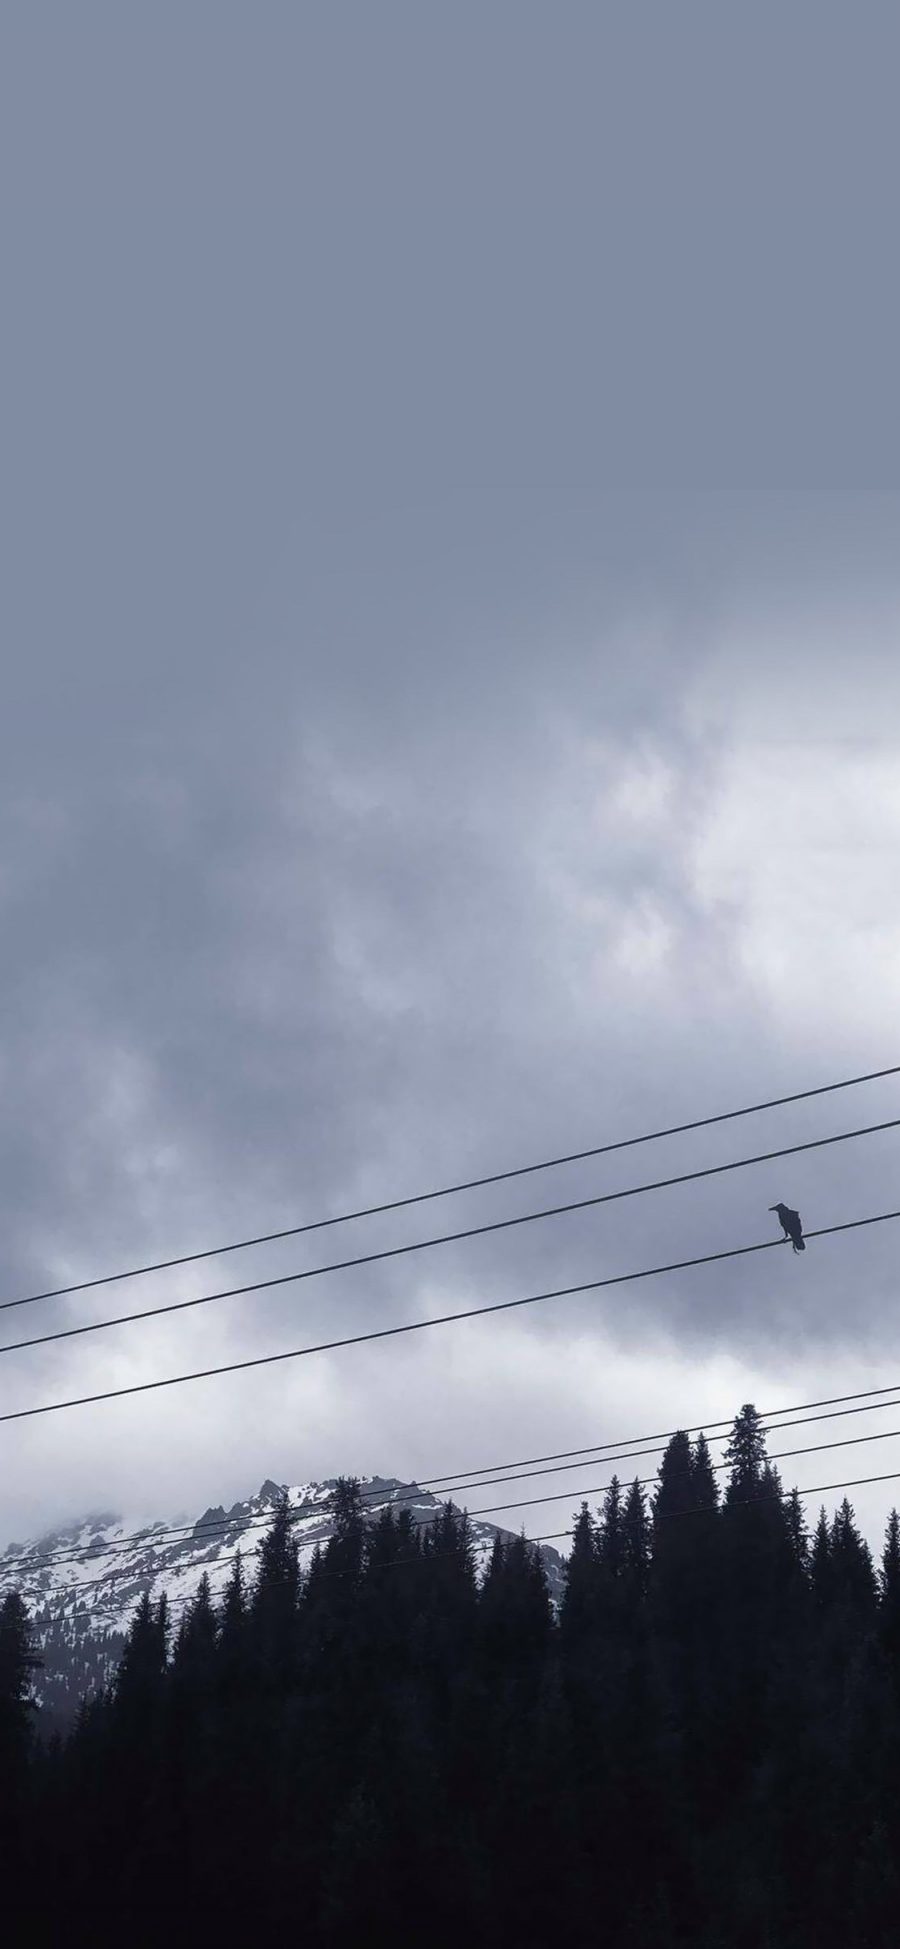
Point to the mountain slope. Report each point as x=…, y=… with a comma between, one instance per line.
x=81, y=1583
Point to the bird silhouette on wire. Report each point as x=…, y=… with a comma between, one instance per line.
x=791, y=1226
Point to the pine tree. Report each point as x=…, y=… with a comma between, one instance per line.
x=581, y=1609
x=129, y=1809
x=234, y=1814
x=889, y=1593
x=636, y=1545
x=746, y=1456
x=704, y=1482
x=495, y=1564
x=18, y=1658
x=797, y=1531
x=514, y=1607
x=611, y=1542
x=761, y=1555
x=139, y=1681
x=18, y=1663
x=760, y=1593
x=331, y=1612
x=490, y=1596
x=273, y=1609
x=390, y=1592
x=890, y=1561
x=193, y=1658
x=448, y=1584
x=233, y=1635
x=234, y=1603
x=348, y=1522
x=674, y=1493
x=853, y=1576
x=820, y=1571
x=685, y=1533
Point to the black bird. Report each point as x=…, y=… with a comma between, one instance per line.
x=791, y=1226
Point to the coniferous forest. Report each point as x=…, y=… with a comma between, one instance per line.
x=702, y=1748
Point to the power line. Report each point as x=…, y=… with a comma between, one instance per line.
x=444, y=1238
x=633, y=1454
x=513, y=1471
x=303, y=1511
x=740, y=1502
x=646, y=1482
x=745, y=1502
x=624, y=1448
x=598, y=1488
x=696, y=1428
x=553, y=1536
x=418, y=1326
x=451, y=1190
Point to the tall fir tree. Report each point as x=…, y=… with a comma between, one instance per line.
x=889, y=1594
x=797, y=1530
x=674, y=1490
x=820, y=1570
x=139, y=1681
x=514, y=1607
x=273, y=1608
x=854, y=1585
x=19, y=1663
x=195, y=1641
x=611, y=1540
x=704, y=1481
x=636, y=1545
x=684, y=1537
x=580, y=1610
x=746, y=1456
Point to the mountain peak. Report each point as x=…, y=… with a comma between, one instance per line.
x=83, y=1583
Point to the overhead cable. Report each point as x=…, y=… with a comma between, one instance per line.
x=419, y=1326
x=204, y=1533
x=553, y=1536
x=448, y=1238
x=302, y=1512
x=450, y=1190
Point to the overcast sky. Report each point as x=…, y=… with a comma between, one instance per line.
x=394, y=788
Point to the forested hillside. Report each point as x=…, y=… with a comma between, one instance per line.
x=702, y=1748
x=83, y=1583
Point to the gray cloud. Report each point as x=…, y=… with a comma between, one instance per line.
x=376, y=811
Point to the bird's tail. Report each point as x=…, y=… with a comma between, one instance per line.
x=800, y=1245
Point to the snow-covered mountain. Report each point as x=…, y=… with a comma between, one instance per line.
x=81, y=1583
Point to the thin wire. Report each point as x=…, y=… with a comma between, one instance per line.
x=646, y=1482
x=514, y=1471
x=451, y=1190
x=697, y=1428
x=599, y=1451
x=204, y=1534
x=739, y=1502
x=489, y=1509
x=444, y=1238
x=418, y=1326
x=554, y=1536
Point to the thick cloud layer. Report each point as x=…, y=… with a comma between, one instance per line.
x=365, y=828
